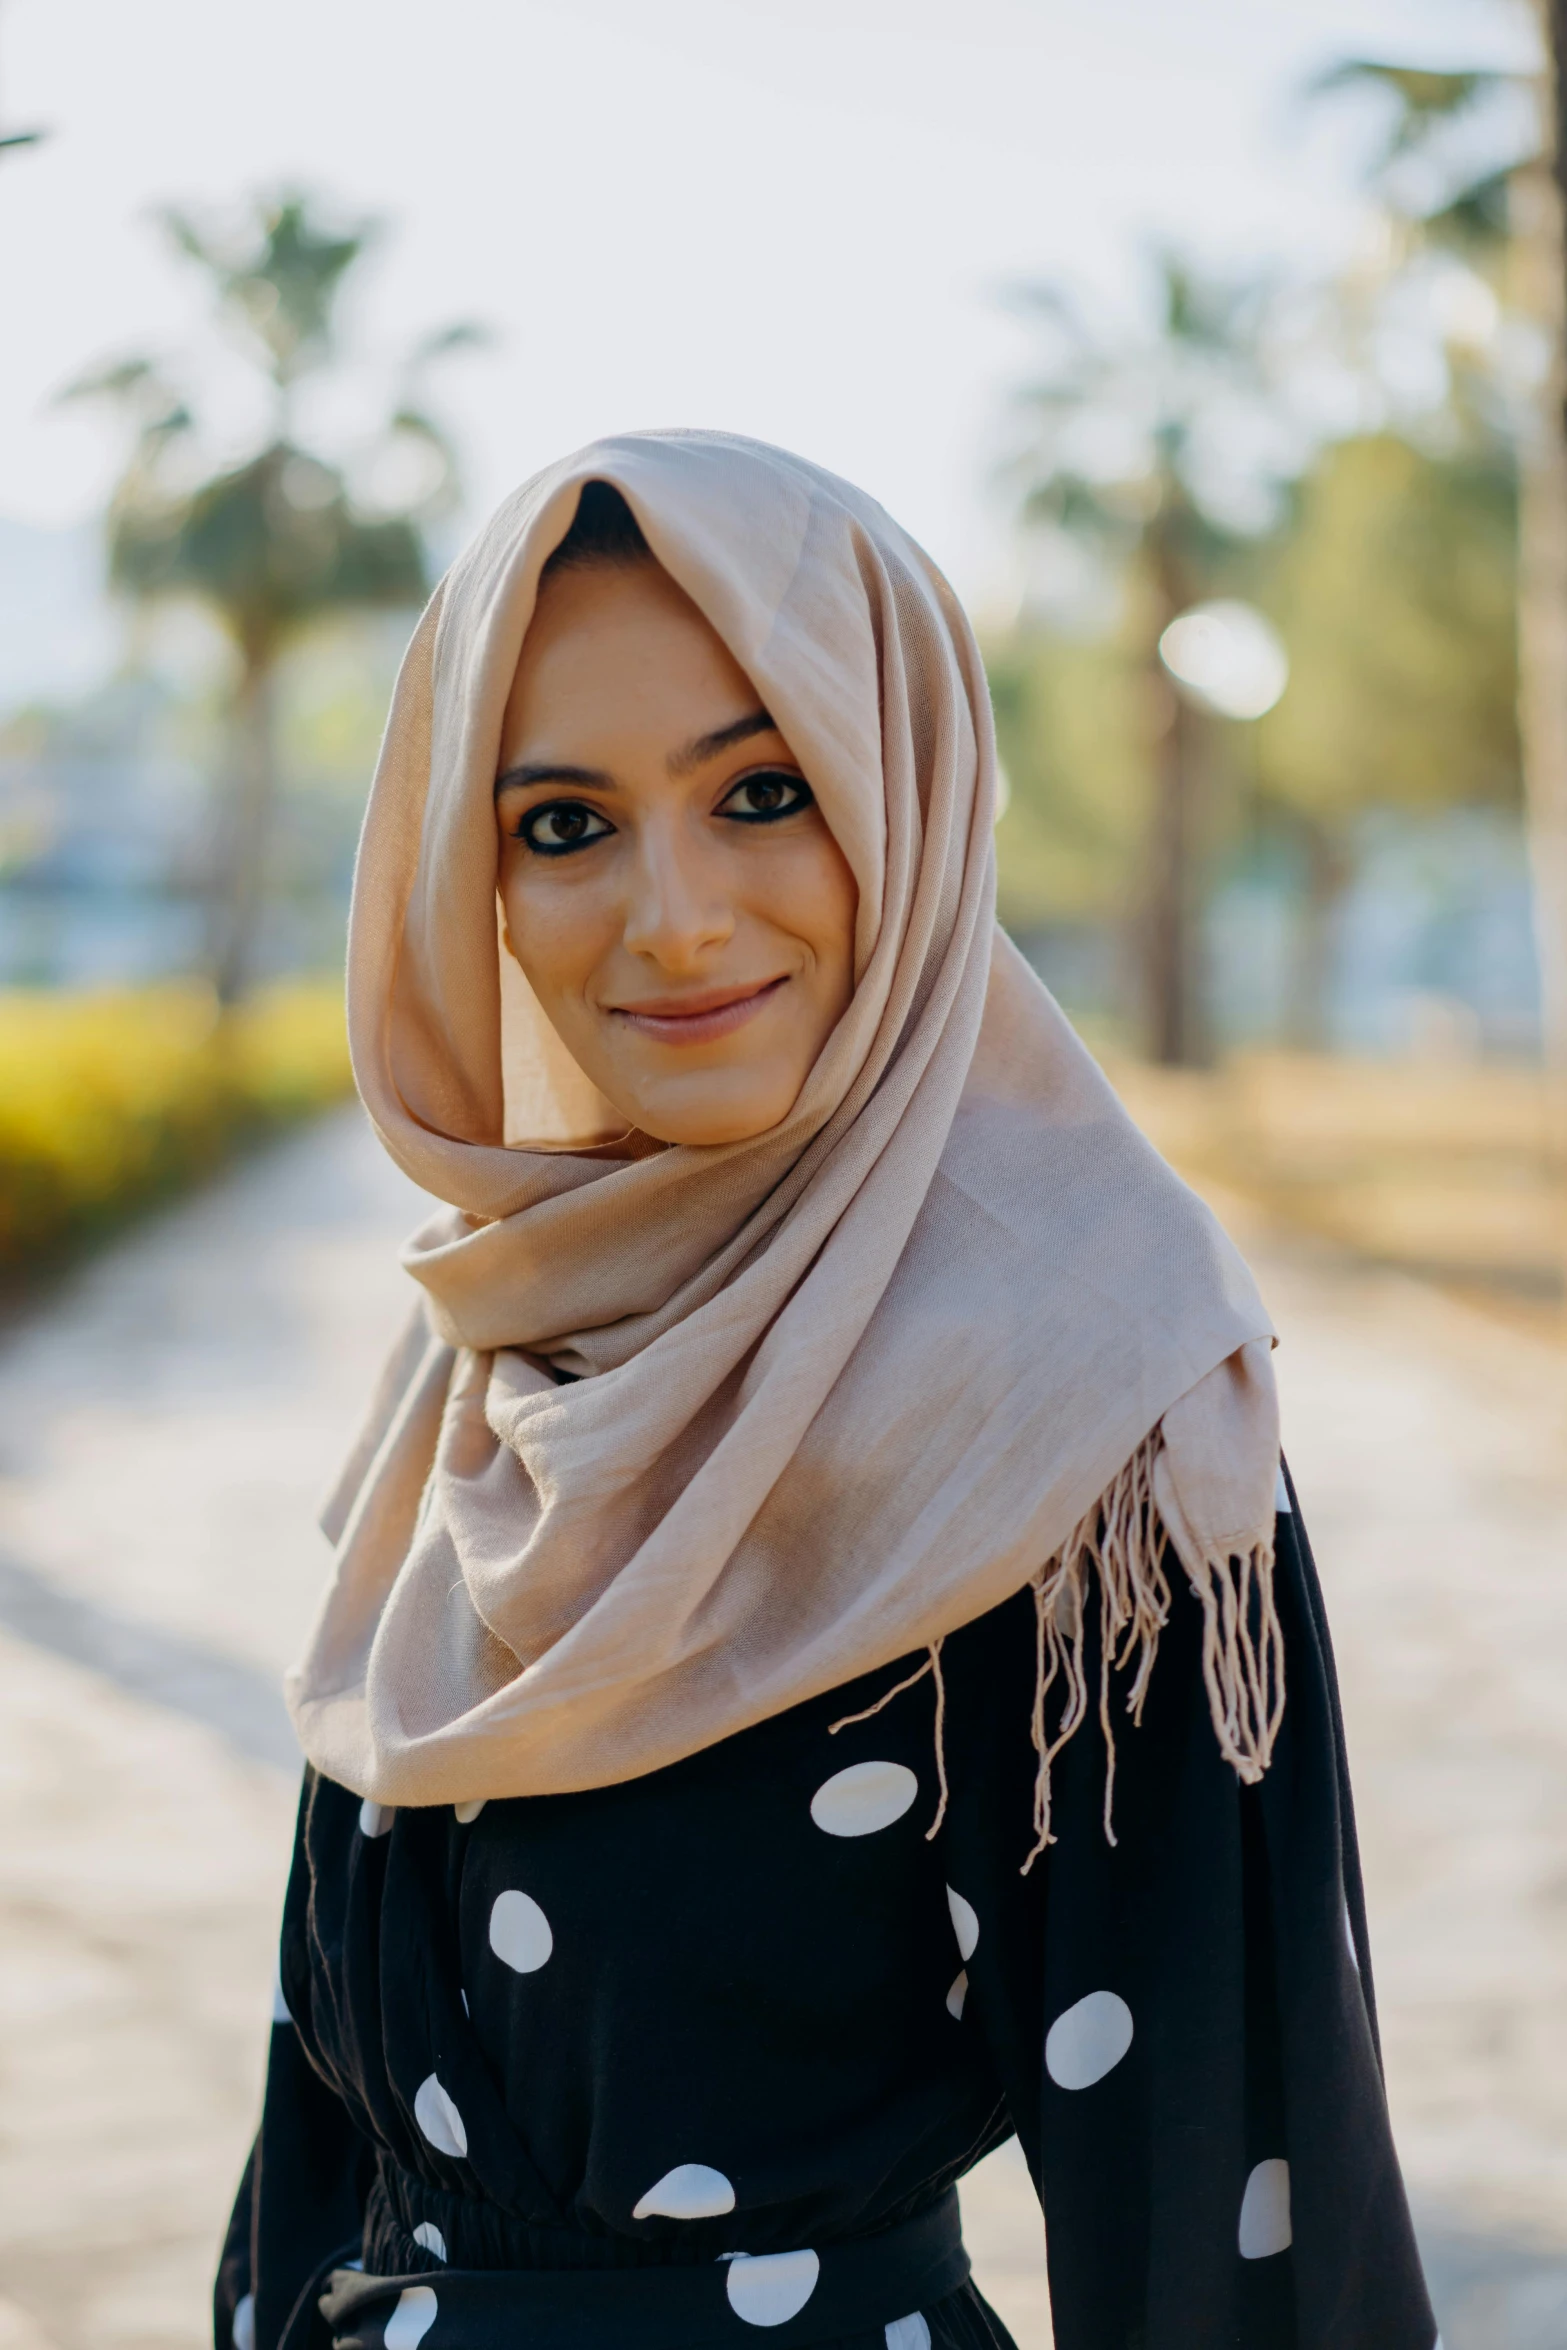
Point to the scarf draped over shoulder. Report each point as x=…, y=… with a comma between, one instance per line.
x=952, y=1328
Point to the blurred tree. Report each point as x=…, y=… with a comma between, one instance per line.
x=1542, y=206
x=1472, y=165
x=1424, y=166
x=277, y=542
x=1149, y=448
x=1074, y=752
x=1394, y=589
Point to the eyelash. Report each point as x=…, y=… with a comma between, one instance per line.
x=799, y=791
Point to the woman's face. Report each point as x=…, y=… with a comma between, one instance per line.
x=671, y=891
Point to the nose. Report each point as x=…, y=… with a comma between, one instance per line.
x=678, y=910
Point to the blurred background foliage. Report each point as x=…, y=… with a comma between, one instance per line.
x=190, y=823
x=1318, y=847
x=1393, y=588
x=1390, y=576
x=1344, y=462
x=286, y=538
x=111, y=1100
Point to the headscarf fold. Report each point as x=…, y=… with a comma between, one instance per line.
x=836, y=1390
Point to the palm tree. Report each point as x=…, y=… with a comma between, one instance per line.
x=275, y=543
x=1125, y=449
x=1505, y=222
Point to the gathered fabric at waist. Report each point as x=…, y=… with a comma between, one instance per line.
x=799, y=2297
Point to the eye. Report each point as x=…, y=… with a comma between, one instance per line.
x=561, y=826
x=765, y=797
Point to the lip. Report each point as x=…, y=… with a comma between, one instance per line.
x=700, y=1017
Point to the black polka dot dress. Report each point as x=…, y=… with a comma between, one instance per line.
x=698, y=2059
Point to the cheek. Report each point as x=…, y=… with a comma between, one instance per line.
x=555, y=931
x=822, y=902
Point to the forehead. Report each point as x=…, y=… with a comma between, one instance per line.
x=619, y=651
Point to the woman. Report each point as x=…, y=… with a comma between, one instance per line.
x=822, y=1403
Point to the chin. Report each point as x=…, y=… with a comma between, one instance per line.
x=709, y=1125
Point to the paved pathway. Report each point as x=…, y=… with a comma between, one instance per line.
x=164, y=1432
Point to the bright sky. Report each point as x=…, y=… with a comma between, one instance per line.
x=787, y=217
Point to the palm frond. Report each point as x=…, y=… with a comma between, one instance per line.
x=1425, y=99
x=277, y=273
x=1477, y=219
x=464, y=334
x=115, y=379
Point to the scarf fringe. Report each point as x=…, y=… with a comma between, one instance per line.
x=1122, y=1539
x=931, y=1665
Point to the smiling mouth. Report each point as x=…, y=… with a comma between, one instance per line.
x=698, y=1018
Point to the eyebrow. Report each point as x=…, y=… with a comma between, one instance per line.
x=723, y=738
x=685, y=761
x=547, y=771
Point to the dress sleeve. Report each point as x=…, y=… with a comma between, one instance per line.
x=1185, y=2027
x=300, y=2207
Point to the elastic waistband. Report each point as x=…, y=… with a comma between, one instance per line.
x=796, y=2298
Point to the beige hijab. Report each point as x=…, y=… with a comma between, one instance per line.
x=952, y=1328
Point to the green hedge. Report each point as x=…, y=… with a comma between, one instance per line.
x=109, y=1101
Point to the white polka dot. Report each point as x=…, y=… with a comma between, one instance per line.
x=908, y=2333
x=1265, y=2211
x=865, y=1797
x=439, y=2119
x=375, y=1818
x=1088, y=2040
x=412, y=2319
x=1281, y=1493
x=964, y=1924
x=244, y=2326
x=957, y=1995
x=467, y=1813
x=429, y=2238
x=280, y=2014
x=692, y=2190
x=771, y=2287
x=520, y=1932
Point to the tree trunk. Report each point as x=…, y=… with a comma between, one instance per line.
x=243, y=830
x=1171, y=952
x=1328, y=872
x=1168, y=945
x=1538, y=211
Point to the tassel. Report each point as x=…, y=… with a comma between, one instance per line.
x=931, y=1665
x=1122, y=1540
x=941, y=1740
x=1244, y=1673
x=896, y=1691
